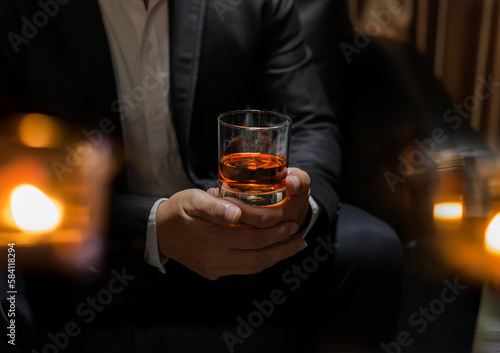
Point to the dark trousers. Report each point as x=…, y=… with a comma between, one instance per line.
x=344, y=290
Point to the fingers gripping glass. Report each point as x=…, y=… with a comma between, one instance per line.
x=253, y=156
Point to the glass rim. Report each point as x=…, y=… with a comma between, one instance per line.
x=287, y=120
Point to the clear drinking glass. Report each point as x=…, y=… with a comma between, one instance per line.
x=253, y=156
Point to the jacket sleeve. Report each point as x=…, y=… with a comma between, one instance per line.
x=128, y=227
x=289, y=83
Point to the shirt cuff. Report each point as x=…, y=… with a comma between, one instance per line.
x=152, y=253
x=315, y=211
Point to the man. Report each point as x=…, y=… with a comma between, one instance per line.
x=162, y=71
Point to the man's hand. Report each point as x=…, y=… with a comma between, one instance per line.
x=202, y=232
x=294, y=209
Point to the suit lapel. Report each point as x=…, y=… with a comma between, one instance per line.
x=187, y=20
x=81, y=24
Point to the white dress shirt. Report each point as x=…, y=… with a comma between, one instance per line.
x=139, y=44
x=138, y=39
x=140, y=52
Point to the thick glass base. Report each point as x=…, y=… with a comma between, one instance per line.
x=257, y=198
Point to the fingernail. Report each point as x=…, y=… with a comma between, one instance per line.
x=295, y=181
x=302, y=246
x=294, y=229
x=211, y=192
x=231, y=213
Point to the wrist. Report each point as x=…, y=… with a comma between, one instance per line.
x=161, y=227
x=306, y=218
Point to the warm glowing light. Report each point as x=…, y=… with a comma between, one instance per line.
x=39, y=130
x=492, y=240
x=32, y=210
x=448, y=210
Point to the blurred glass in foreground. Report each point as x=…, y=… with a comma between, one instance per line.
x=467, y=213
x=53, y=184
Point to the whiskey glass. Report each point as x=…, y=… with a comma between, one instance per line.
x=254, y=149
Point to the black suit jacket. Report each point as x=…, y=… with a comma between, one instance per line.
x=248, y=53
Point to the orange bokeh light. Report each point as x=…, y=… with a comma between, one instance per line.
x=33, y=211
x=492, y=239
x=448, y=210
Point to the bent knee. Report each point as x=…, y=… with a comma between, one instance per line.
x=368, y=242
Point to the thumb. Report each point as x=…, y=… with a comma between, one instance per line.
x=212, y=209
x=297, y=181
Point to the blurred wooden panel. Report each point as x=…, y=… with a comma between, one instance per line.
x=460, y=47
x=484, y=42
x=492, y=115
x=461, y=40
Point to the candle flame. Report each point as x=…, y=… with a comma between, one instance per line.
x=492, y=240
x=448, y=210
x=33, y=211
